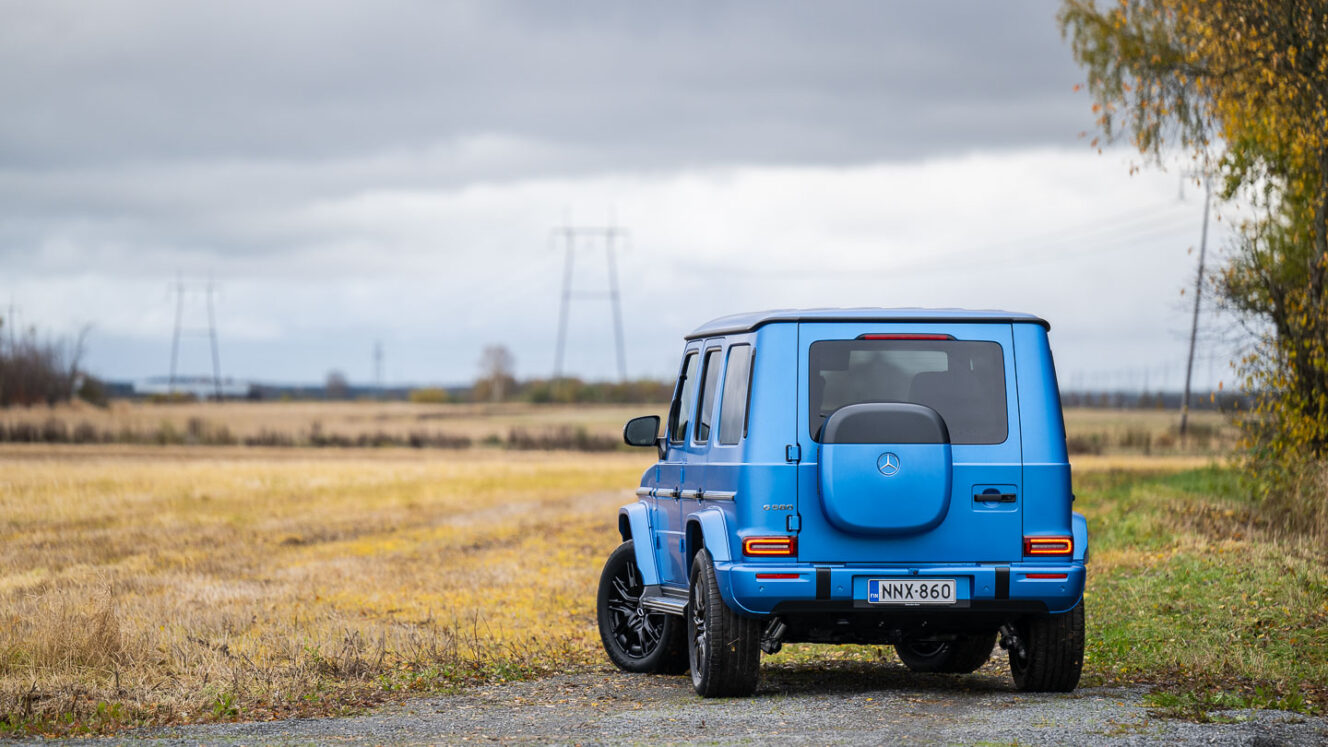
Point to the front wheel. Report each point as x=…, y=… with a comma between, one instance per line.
x=724, y=647
x=636, y=639
x=1053, y=652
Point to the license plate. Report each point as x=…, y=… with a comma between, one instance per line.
x=911, y=591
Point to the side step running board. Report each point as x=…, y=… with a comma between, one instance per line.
x=662, y=599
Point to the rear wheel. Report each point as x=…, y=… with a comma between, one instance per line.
x=636, y=639
x=1053, y=652
x=960, y=656
x=724, y=648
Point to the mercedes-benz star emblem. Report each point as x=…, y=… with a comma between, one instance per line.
x=888, y=464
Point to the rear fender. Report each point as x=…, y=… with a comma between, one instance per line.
x=709, y=525
x=1079, y=530
x=634, y=524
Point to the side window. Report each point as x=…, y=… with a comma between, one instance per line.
x=681, y=413
x=711, y=376
x=733, y=408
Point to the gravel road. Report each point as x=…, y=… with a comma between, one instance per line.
x=799, y=706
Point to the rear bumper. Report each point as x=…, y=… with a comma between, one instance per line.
x=763, y=589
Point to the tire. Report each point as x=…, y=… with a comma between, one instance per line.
x=960, y=656
x=635, y=639
x=1054, y=652
x=724, y=648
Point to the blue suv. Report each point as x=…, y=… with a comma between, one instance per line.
x=878, y=476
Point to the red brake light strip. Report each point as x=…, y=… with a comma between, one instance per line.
x=906, y=336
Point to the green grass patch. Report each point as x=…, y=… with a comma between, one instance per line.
x=1189, y=591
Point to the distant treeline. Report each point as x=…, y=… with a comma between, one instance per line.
x=540, y=391
x=1120, y=400
x=200, y=432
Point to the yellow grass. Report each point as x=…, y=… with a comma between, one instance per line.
x=193, y=584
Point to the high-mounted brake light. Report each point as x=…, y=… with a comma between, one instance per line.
x=770, y=546
x=1048, y=546
x=906, y=337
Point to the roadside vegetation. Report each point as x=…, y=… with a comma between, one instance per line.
x=1194, y=590
x=1242, y=88
x=1190, y=591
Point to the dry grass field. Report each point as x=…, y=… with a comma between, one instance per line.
x=149, y=585
x=160, y=584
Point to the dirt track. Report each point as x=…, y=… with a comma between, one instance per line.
x=884, y=704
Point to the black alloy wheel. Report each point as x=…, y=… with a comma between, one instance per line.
x=1053, y=652
x=724, y=647
x=636, y=639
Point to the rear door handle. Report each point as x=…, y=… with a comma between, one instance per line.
x=994, y=497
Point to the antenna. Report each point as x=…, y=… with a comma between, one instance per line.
x=609, y=235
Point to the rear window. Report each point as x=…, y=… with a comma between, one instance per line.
x=963, y=380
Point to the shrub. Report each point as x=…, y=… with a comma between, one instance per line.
x=430, y=396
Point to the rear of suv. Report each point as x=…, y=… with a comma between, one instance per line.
x=880, y=476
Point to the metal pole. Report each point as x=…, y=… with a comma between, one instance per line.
x=12, y=321
x=570, y=237
x=216, y=354
x=175, y=339
x=378, y=367
x=1194, y=324
x=617, y=306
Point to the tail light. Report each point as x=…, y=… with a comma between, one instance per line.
x=770, y=546
x=1049, y=546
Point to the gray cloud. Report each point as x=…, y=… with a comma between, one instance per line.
x=354, y=170
x=626, y=85
x=185, y=132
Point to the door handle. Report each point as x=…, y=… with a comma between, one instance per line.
x=994, y=497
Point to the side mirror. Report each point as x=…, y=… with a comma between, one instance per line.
x=642, y=431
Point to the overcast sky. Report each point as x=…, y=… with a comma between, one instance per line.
x=353, y=172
